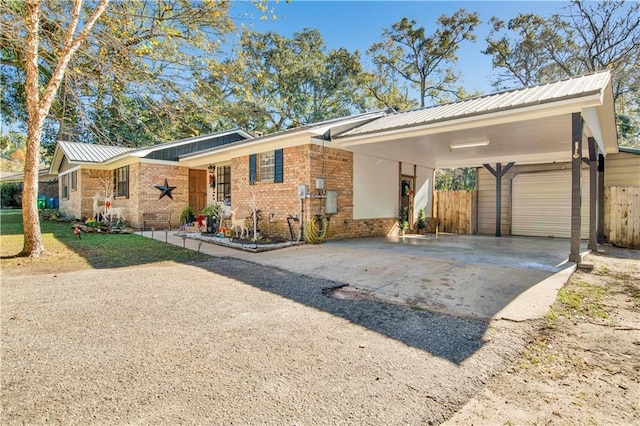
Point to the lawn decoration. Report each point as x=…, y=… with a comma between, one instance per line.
x=110, y=210
x=165, y=189
x=98, y=211
x=238, y=225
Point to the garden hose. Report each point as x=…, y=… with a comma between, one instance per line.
x=316, y=230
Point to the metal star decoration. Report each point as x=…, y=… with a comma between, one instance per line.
x=165, y=189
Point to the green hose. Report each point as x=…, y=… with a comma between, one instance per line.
x=316, y=230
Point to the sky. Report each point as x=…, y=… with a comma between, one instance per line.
x=356, y=25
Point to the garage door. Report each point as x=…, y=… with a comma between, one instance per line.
x=541, y=204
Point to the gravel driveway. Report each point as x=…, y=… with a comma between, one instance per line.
x=231, y=342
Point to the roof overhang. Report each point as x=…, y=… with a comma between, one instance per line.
x=226, y=153
x=528, y=133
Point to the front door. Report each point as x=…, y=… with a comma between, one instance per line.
x=197, y=189
x=406, y=197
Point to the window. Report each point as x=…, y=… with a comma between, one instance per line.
x=65, y=186
x=74, y=180
x=223, y=184
x=266, y=167
x=121, y=182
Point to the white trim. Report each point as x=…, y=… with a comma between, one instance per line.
x=228, y=153
x=477, y=120
x=73, y=169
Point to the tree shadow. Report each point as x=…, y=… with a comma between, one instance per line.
x=445, y=336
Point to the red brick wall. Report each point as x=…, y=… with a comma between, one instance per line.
x=146, y=197
x=302, y=165
x=91, y=182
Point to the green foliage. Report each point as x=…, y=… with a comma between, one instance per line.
x=97, y=250
x=581, y=298
x=10, y=195
x=281, y=82
x=129, y=83
x=187, y=214
x=586, y=37
x=212, y=210
x=456, y=179
x=424, y=61
x=422, y=217
x=403, y=218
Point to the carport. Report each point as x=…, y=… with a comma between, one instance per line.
x=566, y=121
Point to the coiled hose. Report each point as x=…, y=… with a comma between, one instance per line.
x=316, y=230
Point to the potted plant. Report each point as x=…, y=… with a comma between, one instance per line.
x=403, y=219
x=187, y=215
x=422, y=221
x=212, y=213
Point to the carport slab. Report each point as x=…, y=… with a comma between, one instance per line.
x=469, y=276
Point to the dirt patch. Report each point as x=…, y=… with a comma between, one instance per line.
x=583, y=366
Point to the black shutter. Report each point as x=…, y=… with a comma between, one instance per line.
x=278, y=176
x=252, y=169
x=126, y=189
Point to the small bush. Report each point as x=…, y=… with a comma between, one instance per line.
x=10, y=195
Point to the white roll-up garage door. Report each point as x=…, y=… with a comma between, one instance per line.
x=541, y=204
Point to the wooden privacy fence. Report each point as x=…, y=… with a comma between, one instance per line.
x=622, y=216
x=456, y=211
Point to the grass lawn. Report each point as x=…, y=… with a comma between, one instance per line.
x=65, y=252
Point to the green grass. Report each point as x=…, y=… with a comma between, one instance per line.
x=91, y=251
x=580, y=298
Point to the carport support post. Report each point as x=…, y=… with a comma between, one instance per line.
x=498, y=173
x=600, y=199
x=593, y=194
x=576, y=186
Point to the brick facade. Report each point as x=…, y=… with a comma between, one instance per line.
x=302, y=165
x=143, y=195
x=147, y=196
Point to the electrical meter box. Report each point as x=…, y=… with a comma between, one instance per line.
x=319, y=184
x=303, y=191
x=331, y=202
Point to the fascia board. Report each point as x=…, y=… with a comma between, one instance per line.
x=259, y=145
x=465, y=123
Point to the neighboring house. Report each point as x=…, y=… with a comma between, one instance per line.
x=623, y=168
x=47, y=182
x=378, y=162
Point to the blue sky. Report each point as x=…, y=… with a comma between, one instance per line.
x=356, y=25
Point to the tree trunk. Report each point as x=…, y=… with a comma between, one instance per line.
x=33, y=244
x=38, y=108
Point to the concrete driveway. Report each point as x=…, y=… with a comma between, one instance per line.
x=478, y=277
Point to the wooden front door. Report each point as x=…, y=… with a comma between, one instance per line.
x=197, y=189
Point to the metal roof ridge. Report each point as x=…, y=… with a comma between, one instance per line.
x=505, y=91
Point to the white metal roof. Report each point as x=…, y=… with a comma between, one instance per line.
x=535, y=95
x=90, y=153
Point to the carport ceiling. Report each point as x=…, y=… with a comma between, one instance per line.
x=531, y=141
x=529, y=125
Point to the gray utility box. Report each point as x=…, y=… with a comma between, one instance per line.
x=331, y=202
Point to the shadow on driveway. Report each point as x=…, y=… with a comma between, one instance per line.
x=448, y=337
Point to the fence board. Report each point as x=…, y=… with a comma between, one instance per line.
x=455, y=211
x=622, y=216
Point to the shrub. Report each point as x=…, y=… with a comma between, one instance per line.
x=10, y=195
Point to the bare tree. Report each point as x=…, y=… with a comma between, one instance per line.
x=425, y=61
